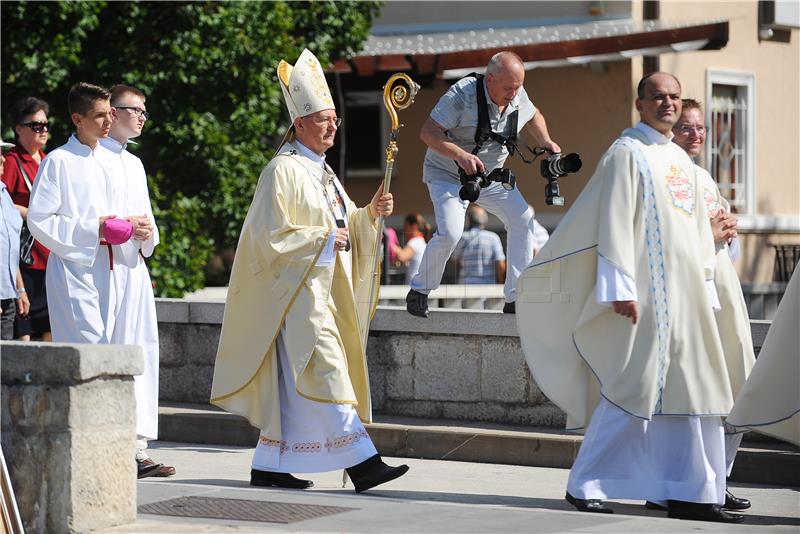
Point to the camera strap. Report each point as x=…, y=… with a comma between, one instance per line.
x=484, y=130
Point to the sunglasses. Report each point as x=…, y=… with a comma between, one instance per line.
x=139, y=112
x=37, y=127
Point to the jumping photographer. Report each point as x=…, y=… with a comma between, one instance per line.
x=458, y=139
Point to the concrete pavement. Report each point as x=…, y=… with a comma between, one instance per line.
x=434, y=497
x=758, y=461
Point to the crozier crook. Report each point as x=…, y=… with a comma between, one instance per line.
x=398, y=93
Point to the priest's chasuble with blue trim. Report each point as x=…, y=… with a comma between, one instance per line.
x=641, y=211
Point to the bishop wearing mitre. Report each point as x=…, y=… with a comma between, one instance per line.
x=291, y=356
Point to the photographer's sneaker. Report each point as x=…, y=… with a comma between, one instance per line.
x=417, y=303
x=510, y=307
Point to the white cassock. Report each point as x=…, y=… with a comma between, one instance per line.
x=98, y=293
x=316, y=436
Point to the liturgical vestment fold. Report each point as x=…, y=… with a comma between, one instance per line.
x=278, y=288
x=642, y=212
x=770, y=400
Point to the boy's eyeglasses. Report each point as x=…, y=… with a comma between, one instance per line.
x=139, y=112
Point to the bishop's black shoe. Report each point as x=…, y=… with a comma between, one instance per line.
x=417, y=303
x=372, y=472
x=589, y=505
x=268, y=479
x=732, y=502
x=510, y=307
x=701, y=512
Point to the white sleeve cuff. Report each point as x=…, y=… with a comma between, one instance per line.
x=711, y=289
x=734, y=252
x=328, y=255
x=612, y=283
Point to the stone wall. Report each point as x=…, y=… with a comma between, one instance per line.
x=68, y=433
x=457, y=364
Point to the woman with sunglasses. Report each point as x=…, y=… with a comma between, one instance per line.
x=31, y=130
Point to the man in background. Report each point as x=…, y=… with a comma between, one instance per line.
x=450, y=133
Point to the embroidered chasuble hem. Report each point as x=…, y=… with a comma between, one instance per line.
x=580, y=355
x=214, y=400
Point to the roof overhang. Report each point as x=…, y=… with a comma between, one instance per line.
x=453, y=54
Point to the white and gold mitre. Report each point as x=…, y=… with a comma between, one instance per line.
x=304, y=87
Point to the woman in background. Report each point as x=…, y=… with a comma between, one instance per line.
x=31, y=129
x=416, y=232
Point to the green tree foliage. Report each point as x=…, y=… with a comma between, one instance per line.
x=208, y=70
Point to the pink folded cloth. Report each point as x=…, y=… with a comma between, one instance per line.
x=117, y=231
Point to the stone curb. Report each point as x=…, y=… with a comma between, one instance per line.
x=770, y=463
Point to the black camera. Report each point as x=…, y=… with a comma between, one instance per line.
x=554, y=167
x=471, y=184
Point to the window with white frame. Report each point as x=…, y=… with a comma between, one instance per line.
x=730, y=141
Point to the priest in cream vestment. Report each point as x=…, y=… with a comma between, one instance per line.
x=291, y=357
x=616, y=318
x=769, y=402
x=733, y=320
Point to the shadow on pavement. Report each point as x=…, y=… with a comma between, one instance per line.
x=487, y=499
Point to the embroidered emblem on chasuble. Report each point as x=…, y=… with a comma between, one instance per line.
x=712, y=206
x=681, y=189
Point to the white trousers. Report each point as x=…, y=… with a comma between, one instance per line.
x=669, y=457
x=450, y=211
x=316, y=436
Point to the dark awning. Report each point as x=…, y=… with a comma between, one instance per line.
x=446, y=54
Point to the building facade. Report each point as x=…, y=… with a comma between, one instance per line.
x=583, y=62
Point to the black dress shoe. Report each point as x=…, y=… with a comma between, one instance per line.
x=701, y=512
x=650, y=505
x=589, y=505
x=417, y=303
x=144, y=469
x=732, y=502
x=510, y=307
x=372, y=472
x=268, y=479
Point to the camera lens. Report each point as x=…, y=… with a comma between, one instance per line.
x=567, y=164
x=469, y=191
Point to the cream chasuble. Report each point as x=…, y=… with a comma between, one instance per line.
x=278, y=288
x=770, y=400
x=641, y=212
x=733, y=320
x=97, y=295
